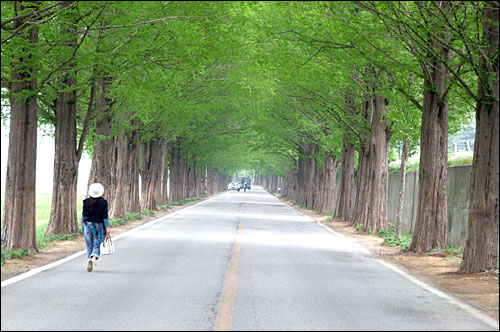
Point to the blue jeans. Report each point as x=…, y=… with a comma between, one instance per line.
x=94, y=236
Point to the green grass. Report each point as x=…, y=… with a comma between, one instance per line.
x=8, y=254
x=358, y=227
x=388, y=235
x=451, y=252
x=411, y=165
x=43, y=205
x=133, y=216
x=164, y=207
x=117, y=222
x=460, y=158
x=454, y=159
x=147, y=212
x=43, y=241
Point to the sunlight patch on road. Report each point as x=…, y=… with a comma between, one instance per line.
x=260, y=196
x=273, y=217
x=250, y=202
x=185, y=236
x=207, y=213
x=313, y=241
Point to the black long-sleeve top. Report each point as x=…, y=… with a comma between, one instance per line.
x=98, y=213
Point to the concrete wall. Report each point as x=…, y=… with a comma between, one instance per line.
x=458, y=202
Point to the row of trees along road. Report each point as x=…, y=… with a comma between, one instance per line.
x=300, y=92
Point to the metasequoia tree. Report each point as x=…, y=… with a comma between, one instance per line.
x=68, y=147
x=100, y=170
x=344, y=205
x=153, y=156
x=481, y=249
x=18, y=220
x=429, y=43
x=125, y=159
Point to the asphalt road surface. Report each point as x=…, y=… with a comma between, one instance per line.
x=239, y=261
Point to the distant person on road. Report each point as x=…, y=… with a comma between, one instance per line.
x=95, y=223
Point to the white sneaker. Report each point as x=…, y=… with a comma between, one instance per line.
x=94, y=264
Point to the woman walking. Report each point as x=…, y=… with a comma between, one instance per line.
x=94, y=223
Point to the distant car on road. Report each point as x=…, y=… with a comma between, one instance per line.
x=233, y=186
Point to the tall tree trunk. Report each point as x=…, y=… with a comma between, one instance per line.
x=402, y=183
x=378, y=168
x=150, y=174
x=131, y=180
x=174, y=172
x=163, y=190
x=102, y=156
x=200, y=181
x=310, y=170
x=431, y=227
x=329, y=183
x=19, y=220
x=481, y=248
x=293, y=187
x=360, y=211
x=63, y=214
x=191, y=180
x=211, y=181
x=318, y=185
x=343, y=208
x=302, y=180
x=125, y=173
x=117, y=204
x=178, y=174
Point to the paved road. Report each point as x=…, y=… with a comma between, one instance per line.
x=240, y=261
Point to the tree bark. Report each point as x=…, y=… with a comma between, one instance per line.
x=360, y=211
x=431, y=227
x=117, y=203
x=19, y=219
x=150, y=171
x=102, y=156
x=131, y=180
x=329, y=183
x=125, y=173
x=378, y=169
x=402, y=183
x=178, y=173
x=481, y=248
x=343, y=209
x=163, y=190
x=63, y=214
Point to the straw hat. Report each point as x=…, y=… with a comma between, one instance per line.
x=96, y=190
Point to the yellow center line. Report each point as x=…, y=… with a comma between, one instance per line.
x=226, y=307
